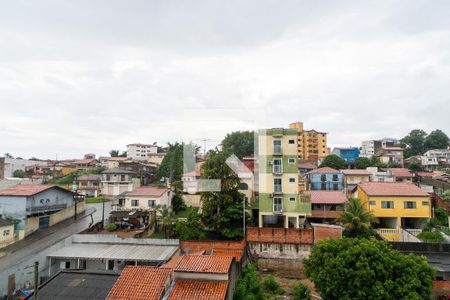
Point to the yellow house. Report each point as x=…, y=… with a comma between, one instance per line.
x=397, y=205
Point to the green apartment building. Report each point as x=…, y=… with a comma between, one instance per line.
x=280, y=204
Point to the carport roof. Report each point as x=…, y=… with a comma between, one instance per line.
x=116, y=251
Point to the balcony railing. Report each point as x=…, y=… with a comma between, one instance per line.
x=37, y=209
x=277, y=189
x=277, y=150
x=277, y=169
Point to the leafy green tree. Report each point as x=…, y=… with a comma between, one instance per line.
x=172, y=164
x=166, y=218
x=301, y=292
x=178, y=203
x=222, y=210
x=191, y=229
x=441, y=216
x=446, y=195
x=413, y=143
x=240, y=143
x=367, y=269
x=19, y=173
x=356, y=220
x=250, y=286
x=417, y=167
x=271, y=286
x=376, y=162
x=334, y=161
x=362, y=163
x=123, y=154
x=437, y=139
x=114, y=153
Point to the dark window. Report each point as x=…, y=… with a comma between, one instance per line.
x=335, y=186
x=323, y=177
x=410, y=204
x=122, y=177
x=291, y=141
x=335, y=177
x=387, y=204
x=323, y=187
x=134, y=202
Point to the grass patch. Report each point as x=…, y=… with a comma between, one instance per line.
x=90, y=200
x=157, y=235
x=185, y=213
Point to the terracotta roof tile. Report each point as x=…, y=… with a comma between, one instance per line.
x=323, y=170
x=234, y=253
x=141, y=282
x=199, y=290
x=425, y=174
x=172, y=263
x=148, y=191
x=327, y=197
x=391, y=189
x=25, y=189
x=204, y=264
x=401, y=172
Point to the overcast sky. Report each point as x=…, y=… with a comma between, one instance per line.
x=90, y=76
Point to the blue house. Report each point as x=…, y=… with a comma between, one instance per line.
x=325, y=179
x=350, y=154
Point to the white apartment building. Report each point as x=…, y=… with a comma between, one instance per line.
x=372, y=147
x=139, y=151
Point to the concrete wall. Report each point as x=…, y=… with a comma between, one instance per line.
x=6, y=235
x=279, y=250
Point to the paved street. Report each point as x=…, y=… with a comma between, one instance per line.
x=45, y=238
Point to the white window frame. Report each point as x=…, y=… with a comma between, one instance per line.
x=277, y=207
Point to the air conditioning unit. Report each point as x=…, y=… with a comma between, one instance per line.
x=270, y=163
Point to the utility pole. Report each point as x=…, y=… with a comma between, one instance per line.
x=36, y=280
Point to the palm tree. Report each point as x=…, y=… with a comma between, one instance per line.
x=356, y=220
x=166, y=217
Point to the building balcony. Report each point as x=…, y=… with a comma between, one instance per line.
x=45, y=208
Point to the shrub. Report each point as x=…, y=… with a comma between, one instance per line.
x=352, y=268
x=178, y=203
x=111, y=227
x=441, y=216
x=301, y=292
x=271, y=286
x=249, y=285
x=431, y=237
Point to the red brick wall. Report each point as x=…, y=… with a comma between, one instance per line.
x=191, y=246
x=441, y=285
x=280, y=235
x=321, y=233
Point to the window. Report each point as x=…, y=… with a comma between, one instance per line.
x=335, y=186
x=277, y=146
x=291, y=161
x=134, y=202
x=291, y=141
x=425, y=203
x=122, y=177
x=108, y=177
x=292, y=199
x=387, y=204
x=410, y=204
x=291, y=179
x=323, y=177
x=335, y=177
x=372, y=203
x=277, y=204
x=277, y=185
x=277, y=166
x=323, y=187
x=6, y=232
x=151, y=203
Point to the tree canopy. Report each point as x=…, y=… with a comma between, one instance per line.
x=436, y=139
x=353, y=268
x=333, y=161
x=172, y=164
x=19, y=173
x=417, y=142
x=191, y=229
x=222, y=210
x=240, y=143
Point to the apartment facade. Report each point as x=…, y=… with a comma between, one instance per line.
x=372, y=147
x=139, y=151
x=280, y=204
x=349, y=154
x=311, y=144
x=325, y=179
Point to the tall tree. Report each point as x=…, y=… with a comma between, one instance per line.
x=437, y=139
x=172, y=164
x=356, y=220
x=240, y=143
x=222, y=210
x=333, y=161
x=362, y=163
x=367, y=269
x=114, y=153
x=413, y=143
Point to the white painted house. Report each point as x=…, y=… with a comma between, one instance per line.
x=147, y=198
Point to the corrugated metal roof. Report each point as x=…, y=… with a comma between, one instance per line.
x=119, y=252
